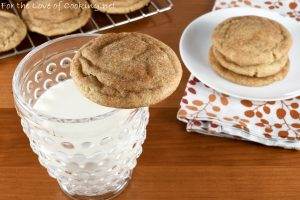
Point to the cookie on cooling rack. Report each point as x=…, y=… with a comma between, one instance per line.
x=12, y=31
x=56, y=17
x=120, y=6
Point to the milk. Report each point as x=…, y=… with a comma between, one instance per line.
x=65, y=101
x=95, y=152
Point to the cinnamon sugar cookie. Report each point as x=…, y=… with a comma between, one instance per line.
x=246, y=80
x=252, y=40
x=261, y=70
x=12, y=31
x=56, y=17
x=120, y=6
x=126, y=70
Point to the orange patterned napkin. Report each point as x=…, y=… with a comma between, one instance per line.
x=274, y=123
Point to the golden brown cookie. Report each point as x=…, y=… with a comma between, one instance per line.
x=12, y=31
x=245, y=80
x=261, y=70
x=120, y=6
x=126, y=70
x=56, y=17
x=252, y=40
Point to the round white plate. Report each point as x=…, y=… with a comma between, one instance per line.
x=196, y=41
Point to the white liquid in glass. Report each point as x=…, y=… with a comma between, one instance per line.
x=101, y=147
x=65, y=101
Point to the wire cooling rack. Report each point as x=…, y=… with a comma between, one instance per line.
x=98, y=22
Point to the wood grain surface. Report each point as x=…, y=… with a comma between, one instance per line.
x=174, y=164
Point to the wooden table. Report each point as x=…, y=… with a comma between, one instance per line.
x=174, y=164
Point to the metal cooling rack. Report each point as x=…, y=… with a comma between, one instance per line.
x=98, y=22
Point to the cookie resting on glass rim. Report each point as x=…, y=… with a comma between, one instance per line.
x=126, y=70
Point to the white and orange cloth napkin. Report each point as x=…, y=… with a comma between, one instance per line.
x=207, y=111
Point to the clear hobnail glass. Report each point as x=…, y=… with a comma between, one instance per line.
x=88, y=167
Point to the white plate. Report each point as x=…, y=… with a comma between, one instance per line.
x=196, y=41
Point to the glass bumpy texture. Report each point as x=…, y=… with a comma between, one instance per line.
x=95, y=167
x=97, y=173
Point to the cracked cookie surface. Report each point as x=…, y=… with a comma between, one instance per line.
x=126, y=70
x=120, y=6
x=246, y=80
x=252, y=40
x=12, y=31
x=56, y=17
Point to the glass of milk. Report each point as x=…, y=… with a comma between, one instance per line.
x=90, y=149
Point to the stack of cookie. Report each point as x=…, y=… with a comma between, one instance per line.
x=250, y=50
